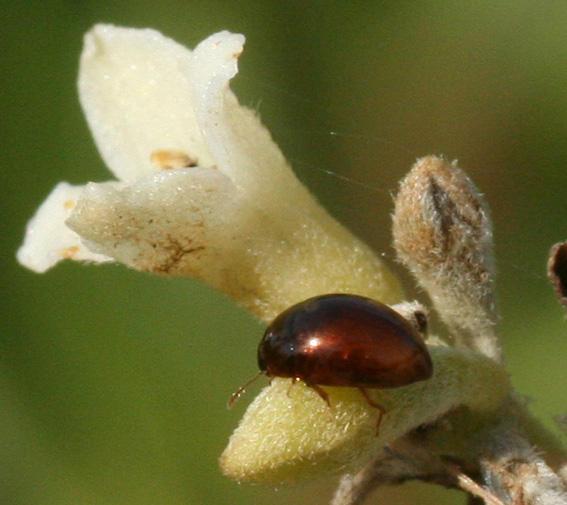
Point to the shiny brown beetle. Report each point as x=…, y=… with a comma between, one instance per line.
x=343, y=340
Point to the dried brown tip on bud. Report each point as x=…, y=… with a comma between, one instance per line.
x=443, y=234
x=415, y=313
x=557, y=270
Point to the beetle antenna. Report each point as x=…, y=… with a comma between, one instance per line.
x=240, y=391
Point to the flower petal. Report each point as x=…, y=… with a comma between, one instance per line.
x=135, y=89
x=173, y=222
x=242, y=147
x=48, y=240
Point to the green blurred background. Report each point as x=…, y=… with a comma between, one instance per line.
x=113, y=384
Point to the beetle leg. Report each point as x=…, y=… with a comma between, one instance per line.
x=376, y=405
x=321, y=393
x=293, y=381
x=325, y=397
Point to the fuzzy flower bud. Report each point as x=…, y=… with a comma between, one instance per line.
x=443, y=234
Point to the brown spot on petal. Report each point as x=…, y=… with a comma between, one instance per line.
x=173, y=253
x=69, y=253
x=557, y=270
x=170, y=159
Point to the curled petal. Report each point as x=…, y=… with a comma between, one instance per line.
x=48, y=240
x=242, y=147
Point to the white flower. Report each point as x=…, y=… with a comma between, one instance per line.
x=202, y=189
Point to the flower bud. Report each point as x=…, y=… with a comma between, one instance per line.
x=443, y=234
x=557, y=270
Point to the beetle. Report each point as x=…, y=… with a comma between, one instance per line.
x=343, y=340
